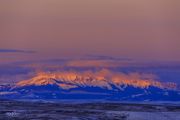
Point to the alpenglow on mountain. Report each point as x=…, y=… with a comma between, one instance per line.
x=102, y=84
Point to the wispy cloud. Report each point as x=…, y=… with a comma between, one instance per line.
x=105, y=57
x=16, y=51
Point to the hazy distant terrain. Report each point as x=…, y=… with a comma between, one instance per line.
x=19, y=110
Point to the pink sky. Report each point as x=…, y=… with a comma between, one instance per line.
x=140, y=29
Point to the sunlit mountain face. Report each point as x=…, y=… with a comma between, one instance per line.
x=107, y=79
x=103, y=79
x=98, y=77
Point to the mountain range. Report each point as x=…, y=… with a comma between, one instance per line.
x=92, y=85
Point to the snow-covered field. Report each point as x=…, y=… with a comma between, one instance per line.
x=148, y=115
x=28, y=110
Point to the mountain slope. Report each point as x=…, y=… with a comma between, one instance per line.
x=88, y=85
x=103, y=79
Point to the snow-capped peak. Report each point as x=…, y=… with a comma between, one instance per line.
x=102, y=79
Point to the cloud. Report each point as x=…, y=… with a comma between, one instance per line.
x=105, y=57
x=15, y=51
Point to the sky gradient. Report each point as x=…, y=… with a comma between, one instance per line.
x=138, y=29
